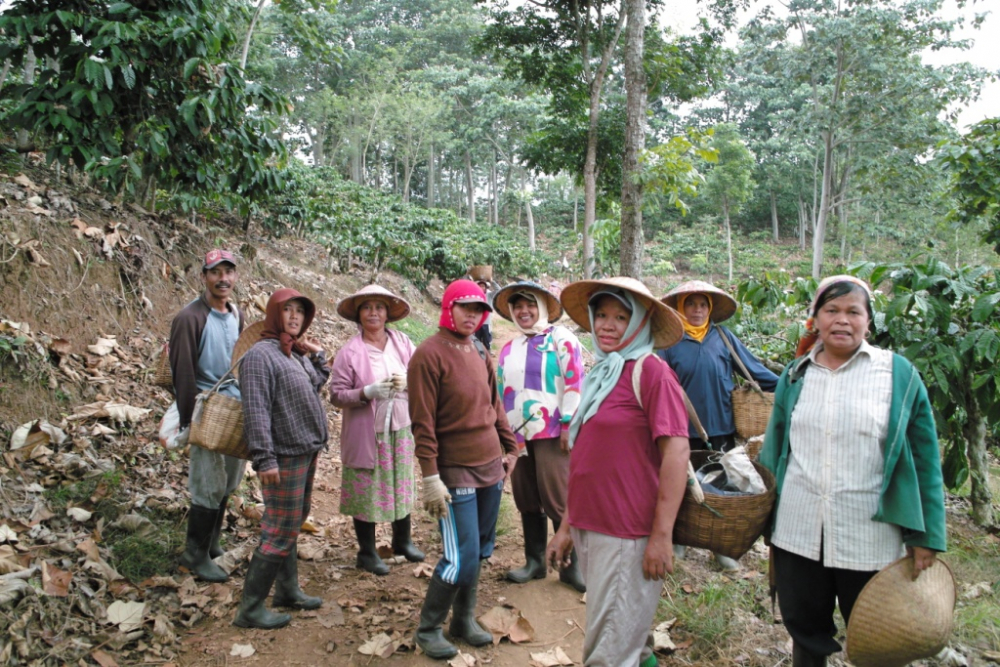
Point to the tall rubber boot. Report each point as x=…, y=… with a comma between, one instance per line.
x=463, y=615
x=429, y=637
x=402, y=543
x=252, y=612
x=201, y=523
x=286, y=585
x=214, y=547
x=368, y=558
x=803, y=658
x=536, y=532
x=726, y=563
x=571, y=575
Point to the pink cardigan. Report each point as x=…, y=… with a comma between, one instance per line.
x=351, y=373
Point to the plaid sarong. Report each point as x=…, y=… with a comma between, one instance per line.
x=287, y=505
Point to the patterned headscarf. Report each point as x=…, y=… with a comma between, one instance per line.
x=461, y=291
x=808, y=341
x=275, y=329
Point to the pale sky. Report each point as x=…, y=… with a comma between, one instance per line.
x=985, y=52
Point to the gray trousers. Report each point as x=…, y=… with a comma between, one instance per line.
x=212, y=476
x=621, y=603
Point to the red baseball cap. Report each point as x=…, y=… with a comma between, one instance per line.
x=215, y=257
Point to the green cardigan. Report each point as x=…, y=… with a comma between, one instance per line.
x=912, y=494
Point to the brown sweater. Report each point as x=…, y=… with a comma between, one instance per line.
x=457, y=413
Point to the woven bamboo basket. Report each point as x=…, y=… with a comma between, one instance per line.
x=751, y=410
x=728, y=525
x=217, y=424
x=162, y=376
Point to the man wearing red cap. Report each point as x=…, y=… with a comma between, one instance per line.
x=202, y=337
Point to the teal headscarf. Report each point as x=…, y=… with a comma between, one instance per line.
x=603, y=377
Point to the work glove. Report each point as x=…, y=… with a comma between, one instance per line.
x=378, y=390
x=436, y=497
x=399, y=383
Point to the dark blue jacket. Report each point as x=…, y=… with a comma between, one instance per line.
x=706, y=370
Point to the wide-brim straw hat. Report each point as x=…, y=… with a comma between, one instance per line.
x=664, y=320
x=501, y=301
x=723, y=305
x=248, y=338
x=348, y=307
x=897, y=620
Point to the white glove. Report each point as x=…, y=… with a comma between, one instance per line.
x=399, y=383
x=378, y=390
x=436, y=497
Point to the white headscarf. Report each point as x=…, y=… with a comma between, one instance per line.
x=542, y=323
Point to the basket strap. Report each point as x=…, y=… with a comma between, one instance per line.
x=223, y=379
x=692, y=479
x=736, y=358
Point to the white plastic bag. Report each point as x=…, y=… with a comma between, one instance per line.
x=740, y=471
x=172, y=436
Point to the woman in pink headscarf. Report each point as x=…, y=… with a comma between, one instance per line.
x=465, y=448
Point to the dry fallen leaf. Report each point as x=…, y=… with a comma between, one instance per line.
x=462, y=660
x=103, y=659
x=662, y=641
x=554, y=658
x=126, y=615
x=79, y=514
x=423, y=571
x=103, y=346
x=55, y=582
x=8, y=559
x=7, y=534
x=507, y=622
x=25, y=182
x=381, y=645
x=242, y=650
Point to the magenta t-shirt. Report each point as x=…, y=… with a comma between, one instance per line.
x=614, y=468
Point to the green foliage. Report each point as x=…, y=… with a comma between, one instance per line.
x=671, y=167
x=729, y=182
x=357, y=223
x=135, y=93
x=974, y=164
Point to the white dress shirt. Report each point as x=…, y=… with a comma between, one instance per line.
x=835, y=466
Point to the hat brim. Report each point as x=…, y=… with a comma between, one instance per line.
x=397, y=307
x=501, y=301
x=897, y=619
x=723, y=305
x=666, y=324
x=248, y=338
x=476, y=300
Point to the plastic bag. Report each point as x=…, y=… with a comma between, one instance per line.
x=172, y=436
x=740, y=472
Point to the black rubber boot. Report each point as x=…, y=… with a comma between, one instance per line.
x=252, y=612
x=536, y=532
x=368, y=558
x=803, y=658
x=286, y=586
x=201, y=523
x=402, y=544
x=214, y=547
x=571, y=575
x=463, y=616
x=429, y=637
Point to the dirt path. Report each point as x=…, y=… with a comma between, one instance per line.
x=358, y=606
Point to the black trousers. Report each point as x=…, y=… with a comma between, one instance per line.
x=716, y=443
x=808, y=591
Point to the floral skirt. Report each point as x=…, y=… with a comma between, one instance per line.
x=388, y=492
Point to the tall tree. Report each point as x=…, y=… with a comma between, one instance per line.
x=973, y=163
x=729, y=183
x=635, y=140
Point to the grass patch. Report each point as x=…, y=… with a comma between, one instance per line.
x=415, y=328
x=509, y=518
x=138, y=557
x=98, y=494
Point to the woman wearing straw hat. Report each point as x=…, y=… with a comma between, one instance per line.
x=284, y=423
x=368, y=383
x=465, y=448
x=705, y=366
x=628, y=468
x=854, y=451
x=540, y=374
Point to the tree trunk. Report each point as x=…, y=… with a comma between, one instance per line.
x=4, y=73
x=576, y=206
x=824, y=206
x=317, y=147
x=729, y=235
x=407, y=173
x=774, y=217
x=246, y=40
x=630, y=254
x=531, y=222
x=471, y=194
x=493, y=217
x=23, y=140
x=802, y=223
x=430, y=176
x=974, y=431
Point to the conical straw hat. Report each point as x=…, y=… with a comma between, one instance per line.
x=723, y=305
x=501, y=301
x=664, y=320
x=247, y=339
x=348, y=307
x=897, y=620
